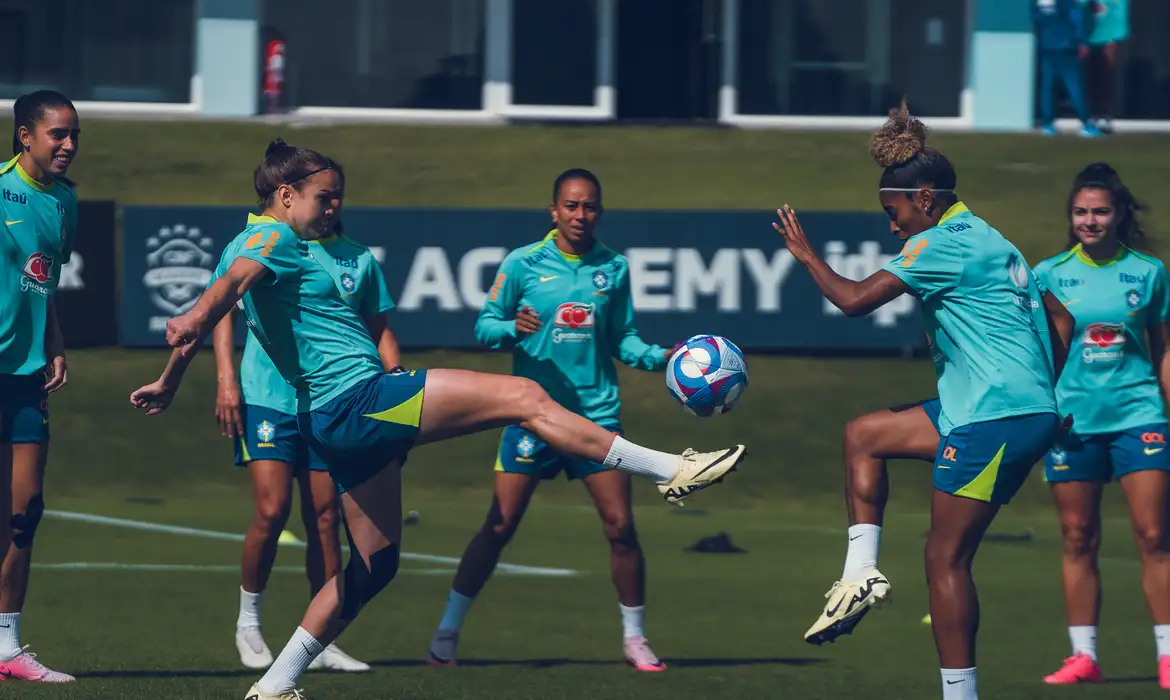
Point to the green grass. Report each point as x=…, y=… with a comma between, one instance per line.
x=728, y=625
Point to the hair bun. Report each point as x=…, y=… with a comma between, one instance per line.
x=902, y=137
x=275, y=145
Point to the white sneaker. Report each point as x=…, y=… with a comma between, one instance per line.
x=849, y=601
x=699, y=470
x=255, y=693
x=254, y=653
x=334, y=659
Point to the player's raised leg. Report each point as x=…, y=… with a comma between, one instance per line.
x=321, y=518
x=460, y=402
x=28, y=507
x=611, y=494
x=272, y=500
x=509, y=501
x=905, y=432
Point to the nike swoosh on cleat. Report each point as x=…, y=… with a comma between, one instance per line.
x=252, y=697
x=715, y=463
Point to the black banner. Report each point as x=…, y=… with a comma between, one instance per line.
x=87, y=292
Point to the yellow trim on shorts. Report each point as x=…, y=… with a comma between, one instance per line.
x=982, y=487
x=408, y=412
x=244, y=450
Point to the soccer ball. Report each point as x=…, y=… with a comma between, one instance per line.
x=707, y=375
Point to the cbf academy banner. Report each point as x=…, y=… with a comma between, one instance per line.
x=724, y=273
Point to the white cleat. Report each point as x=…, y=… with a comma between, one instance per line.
x=255, y=693
x=254, y=653
x=334, y=659
x=849, y=601
x=699, y=470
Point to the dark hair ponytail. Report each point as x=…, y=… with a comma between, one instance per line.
x=30, y=109
x=1127, y=209
x=289, y=165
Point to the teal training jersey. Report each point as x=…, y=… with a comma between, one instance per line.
x=982, y=308
x=1108, y=21
x=363, y=289
x=300, y=316
x=587, y=319
x=40, y=224
x=1109, y=383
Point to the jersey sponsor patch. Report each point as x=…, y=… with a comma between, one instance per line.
x=1103, y=342
x=573, y=322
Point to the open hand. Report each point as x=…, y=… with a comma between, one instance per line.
x=56, y=374
x=789, y=227
x=527, y=321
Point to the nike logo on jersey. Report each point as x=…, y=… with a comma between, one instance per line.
x=13, y=223
x=549, y=279
x=1153, y=450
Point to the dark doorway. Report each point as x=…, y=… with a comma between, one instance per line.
x=668, y=58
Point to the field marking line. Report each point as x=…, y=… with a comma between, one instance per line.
x=198, y=568
x=234, y=537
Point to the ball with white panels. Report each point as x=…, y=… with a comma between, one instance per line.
x=707, y=375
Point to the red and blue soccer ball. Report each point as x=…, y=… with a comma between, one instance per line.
x=707, y=375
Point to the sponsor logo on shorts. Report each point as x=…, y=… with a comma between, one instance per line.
x=573, y=323
x=1103, y=342
x=949, y=454
x=264, y=433
x=1153, y=438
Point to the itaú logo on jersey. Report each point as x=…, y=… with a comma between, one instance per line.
x=38, y=271
x=1103, y=341
x=573, y=322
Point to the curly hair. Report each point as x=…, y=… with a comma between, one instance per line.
x=899, y=147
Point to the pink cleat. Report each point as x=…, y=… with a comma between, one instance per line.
x=25, y=667
x=1164, y=672
x=639, y=655
x=1081, y=668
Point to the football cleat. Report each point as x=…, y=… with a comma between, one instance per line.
x=849, y=602
x=700, y=470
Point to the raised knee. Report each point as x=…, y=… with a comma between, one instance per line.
x=24, y=524
x=362, y=583
x=530, y=398
x=1079, y=536
x=859, y=431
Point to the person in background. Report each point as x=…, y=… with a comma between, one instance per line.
x=1060, y=35
x=1108, y=28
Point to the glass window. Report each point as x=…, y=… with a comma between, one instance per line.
x=405, y=54
x=850, y=57
x=1143, y=86
x=554, y=52
x=113, y=50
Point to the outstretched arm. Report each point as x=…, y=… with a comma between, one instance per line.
x=186, y=331
x=853, y=298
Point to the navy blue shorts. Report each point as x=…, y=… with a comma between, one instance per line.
x=521, y=452
x=990, y=460
x=24, y=409
x=272, y=435
x=361, y=431
x=1108, y=456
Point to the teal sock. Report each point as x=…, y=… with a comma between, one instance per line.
x=457, y=607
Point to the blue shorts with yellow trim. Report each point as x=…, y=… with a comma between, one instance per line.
x=272, y=435
x=521, y=452
x=364, y=429
x=24, y=409
x=990, y=460
x=1108, y=456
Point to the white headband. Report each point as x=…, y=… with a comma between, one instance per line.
x=911, y=189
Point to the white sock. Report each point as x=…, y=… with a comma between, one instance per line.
x=249, y=609
x=959, y=684
x=9, y=636
x=1084, y=640
x=633, y=621
x=300, y=651
x=863, y=550
x=1162, y=639
x=659, y=467
x=457, y=607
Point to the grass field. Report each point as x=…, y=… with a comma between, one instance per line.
x=728, y=625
